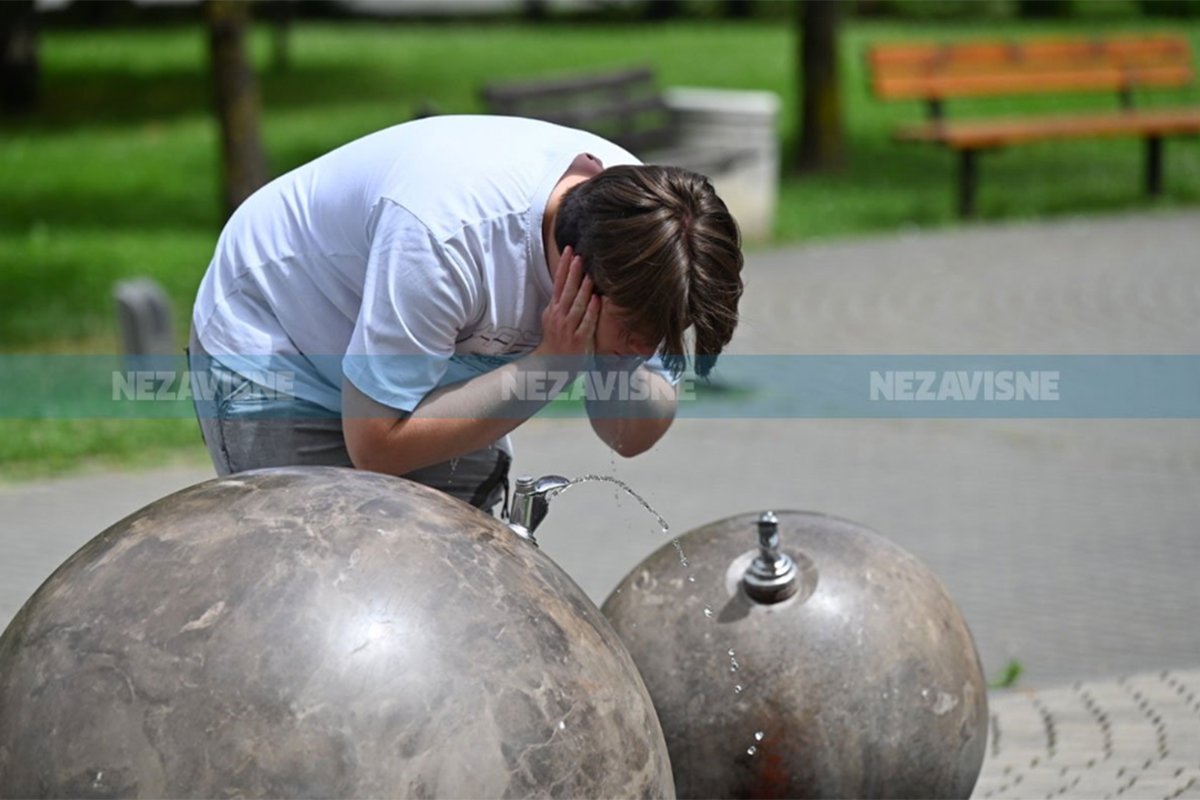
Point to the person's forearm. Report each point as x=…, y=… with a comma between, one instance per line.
x=468, y=416
x=632, y=425
x=458, y=419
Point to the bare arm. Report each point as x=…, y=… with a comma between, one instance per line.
x=455, y=420
x=451, y=421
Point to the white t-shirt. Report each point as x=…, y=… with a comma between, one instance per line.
x=390, y=258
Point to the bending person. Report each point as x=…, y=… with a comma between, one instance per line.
x=388, y=305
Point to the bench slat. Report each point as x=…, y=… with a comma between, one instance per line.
x=581, y=115
x=977, y=135
x=630, y=79
x=1082, y=60
x=1107, y=78
x=1116, y=49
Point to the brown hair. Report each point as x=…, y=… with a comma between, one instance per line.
x=659, y=242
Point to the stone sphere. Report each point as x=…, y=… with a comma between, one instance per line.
x=863, y=683
x=319, y=632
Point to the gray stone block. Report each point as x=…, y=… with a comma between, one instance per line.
x=144, y=317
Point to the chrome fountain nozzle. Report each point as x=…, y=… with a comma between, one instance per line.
x=772, y=576
x=531, y=503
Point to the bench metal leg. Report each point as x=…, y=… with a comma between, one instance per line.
x=968, y=179
x=1154, y=166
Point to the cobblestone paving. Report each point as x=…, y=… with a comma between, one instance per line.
x=1133, y=737
x=1124, y=284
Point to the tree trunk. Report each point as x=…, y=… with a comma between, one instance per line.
x=280, y=13
x=659, y=10
x=235, y=91
x=1043, y=9
x=738, y=9
x=822, y=142
x=18, y=57
x=535, y=10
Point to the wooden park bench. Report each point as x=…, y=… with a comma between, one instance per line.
x=624, y=106
x=936, y=73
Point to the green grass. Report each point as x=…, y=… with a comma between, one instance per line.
x=116, y=176
x=1009, y=677
x=53, y=447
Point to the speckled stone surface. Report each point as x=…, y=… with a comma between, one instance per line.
x=866, y=683
x=319, y=633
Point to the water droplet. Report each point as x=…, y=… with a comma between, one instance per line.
x=758, y=736
x=737, y=689
x=751, y=750
x=708, y=612
x=662, y=523
x=683, y=562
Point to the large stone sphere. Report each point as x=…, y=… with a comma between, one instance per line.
x=319, y=632
x=863, y=683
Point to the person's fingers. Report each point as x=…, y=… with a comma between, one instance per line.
x=583, y=295
x=560, y=274
x=587, y=325
x=574, y=278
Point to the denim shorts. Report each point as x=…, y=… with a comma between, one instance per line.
x=248, y=426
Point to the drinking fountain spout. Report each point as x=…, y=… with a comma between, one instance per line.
x=531, y=503
x=772, y=576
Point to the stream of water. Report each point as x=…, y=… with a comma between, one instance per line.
x=609, y=479
x=734, y=666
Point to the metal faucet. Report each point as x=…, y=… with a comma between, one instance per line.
x=531, y=503
x=772, y=576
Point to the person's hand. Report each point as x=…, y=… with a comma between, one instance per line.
x=569, y=321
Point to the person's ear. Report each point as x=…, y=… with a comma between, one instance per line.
x=586, y=164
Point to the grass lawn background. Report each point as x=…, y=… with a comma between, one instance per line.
x=116, y=175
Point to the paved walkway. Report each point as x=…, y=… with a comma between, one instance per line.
x=1137, y=736
x=1071, y=546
